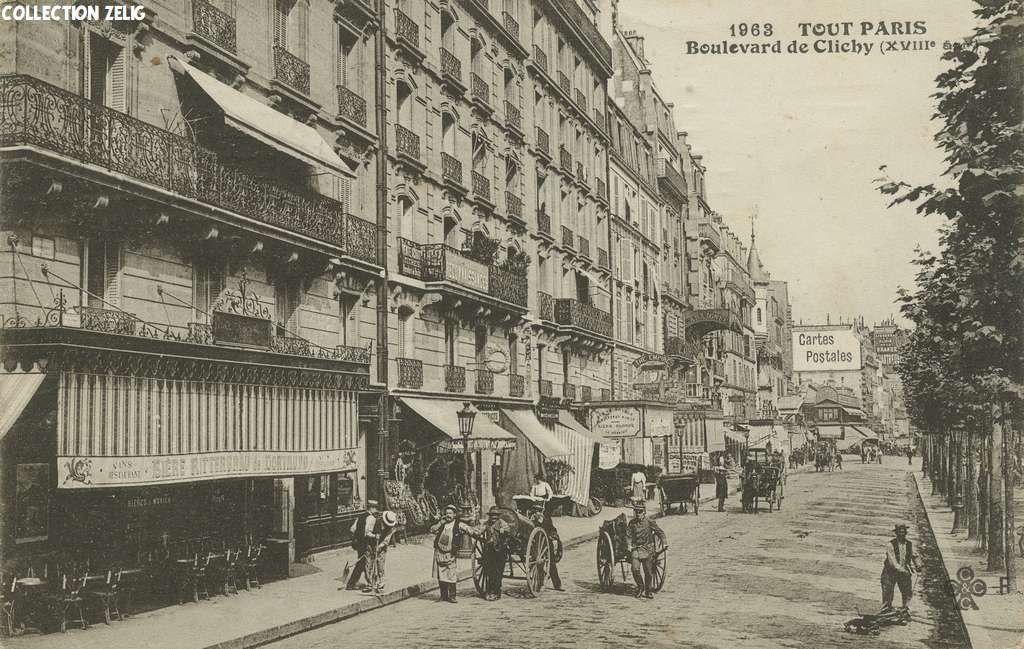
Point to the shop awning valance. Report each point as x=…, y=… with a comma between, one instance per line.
x=265, y=124
x=566, y=419
x=441, y=414
x=853, y=412
x=581, y=441
x=736, y=436
x=530, y=427
x=16, y=390
x=865, y=432
x=832, y=431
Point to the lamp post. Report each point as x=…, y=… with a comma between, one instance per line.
x=466, y=417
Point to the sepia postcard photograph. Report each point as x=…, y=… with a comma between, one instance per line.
x=511, y=324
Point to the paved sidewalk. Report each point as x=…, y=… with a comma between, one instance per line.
x=998, y=622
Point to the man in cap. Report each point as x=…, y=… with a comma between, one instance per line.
x=640, y=533
x=447, y=538
x=900, y=564
x=542, y=518
x=494, y=536
x=377, y=553
x=364, y=535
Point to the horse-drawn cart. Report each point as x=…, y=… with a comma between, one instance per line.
x=612, y=550
x=682, y=488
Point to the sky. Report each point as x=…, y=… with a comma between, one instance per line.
x=799, y=139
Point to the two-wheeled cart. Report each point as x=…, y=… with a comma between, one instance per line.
x=612, y=551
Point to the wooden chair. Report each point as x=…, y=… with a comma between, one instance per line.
x=198, y=575
x=252, y=566
x=7, y=605
x=69, y=599
x=105, y=593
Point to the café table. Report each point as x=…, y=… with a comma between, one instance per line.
x=29, y=599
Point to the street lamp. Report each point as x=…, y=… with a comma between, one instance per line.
x=466, y=417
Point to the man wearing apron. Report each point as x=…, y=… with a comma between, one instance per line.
x=447, y=538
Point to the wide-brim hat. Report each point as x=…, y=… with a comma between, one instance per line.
x=639, y=505
x=390, y=518
x=900, y=526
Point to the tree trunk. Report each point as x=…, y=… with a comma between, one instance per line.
x=1009, y=435
x=983, y=473
x=996, y=533
x=925, y=450
x=971, y=484
x=950, y=482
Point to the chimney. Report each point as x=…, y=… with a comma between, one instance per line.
x=681, y=136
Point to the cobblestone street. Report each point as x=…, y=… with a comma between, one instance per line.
x=786, y=579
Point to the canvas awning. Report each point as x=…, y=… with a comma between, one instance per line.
x=527, y=424
x=865, y=432
x=16, y=390
x=832, y=431
x=855, y=412
x=736, y=436
x=580, y=440
x=265, y=124
x=441, y=414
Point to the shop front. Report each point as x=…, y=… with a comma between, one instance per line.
x=641, y=427
x=537, y=450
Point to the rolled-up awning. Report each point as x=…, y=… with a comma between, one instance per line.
x=441, y=414
x=265, y=124
x=527, y=424
x=16, y=390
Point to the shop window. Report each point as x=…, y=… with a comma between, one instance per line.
x=103, y=263
x=829, y=414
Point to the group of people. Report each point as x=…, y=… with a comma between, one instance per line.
x=871, y=454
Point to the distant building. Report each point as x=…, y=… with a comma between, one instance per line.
x=888, y=338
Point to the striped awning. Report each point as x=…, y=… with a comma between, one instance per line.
x=441, y=414
x=530, y=427
x=580, y=442
x=16, y=390
x=126, y=431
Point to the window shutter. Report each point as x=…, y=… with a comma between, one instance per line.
x=281, y=23
x=113, y=260
x=118, y=99
x=342, y=62
x=96, y=64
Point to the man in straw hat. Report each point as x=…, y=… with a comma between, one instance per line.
x=900, y=564
x=378, y=552
x=640, y=533
x=364, y=533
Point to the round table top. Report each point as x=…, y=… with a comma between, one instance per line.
x=31, y=581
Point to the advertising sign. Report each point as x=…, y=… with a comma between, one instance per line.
x=615, y=422
x=659, y=423
x=834, y=350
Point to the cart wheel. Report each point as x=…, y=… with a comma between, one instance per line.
x=595, y=506
x=605, y=561
x=660, y=563
x=536, y=560
x=480, y=578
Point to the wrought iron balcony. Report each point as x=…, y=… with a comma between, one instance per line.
x=291, y=70
x=438, y=262
x=451, y=66
x=564, y=83
x=516, y=385
x=406, y=29
x=575, y=19
x=407, y=143
x=481, y=186
x=479, y=89
x=569, y=391
x=508, y=286
x=602, y=258
x=540, y=58
x=33, y=112
x=709, y=234
x=545, y=306
x=484, y=381
x=214, y=24
x=584, y=316
x=670, y=180
x=565, y=160
x=511, y=24
x=584, y=246
x=544, y=223
x=351, y=106
x=513, y=118
x=586, y=393
x=454, y=378
x=581, y=100
x=568, y=238
x=543, y=143
x=514, y=204
x=410, y=373
x=410, y=258
x=451, y=168
x=545, y=388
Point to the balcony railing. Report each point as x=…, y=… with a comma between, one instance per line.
x=579, y=20
x=451, y=65
x=451, y=168
x=410, y=258
x=584, y=316
x=33, y=112
x=602, y=258
x=508, y=286
x=407, y=29
x=670, y=179
x=581, y=100
x=513, y=117
x=481, y=186
x=544, y=223
x=545, y=306
x=543, y=142
x=454, y=378
x=516, y=385
x=438, y=262
x=569, y=391
x=586, y=393
x=480, y=89
x=484, y=381
x=584, y=246
x=407, y=143
x=410, y=373
x=514, y=204
x=541, y=58
x=563, y=83
x=351, y=106
x=565, y=160
x=545, y=388
x=709, y=233
x=511, y=24
x=568, y=238
x=214, y=25
x=291, y=70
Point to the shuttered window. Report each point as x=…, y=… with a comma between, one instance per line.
x=104, y=261
x=107, y=74
x=281, y=10
x=207, y=285
x=288, y=297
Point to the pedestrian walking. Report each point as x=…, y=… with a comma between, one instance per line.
x=493, y=536
x=910, y=455
x=721, y=483
x=640, y=533
x=900, y=564
x=879, y=456
x=541, y=489
x=863, y=454
x=364, y=534
x=839, y=461
x=638, y=485
x=447, y=537
x=748, y=483
x=377, y=552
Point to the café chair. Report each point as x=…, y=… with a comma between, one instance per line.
x=231, y=562
x=252, y=566
x=106, y=593
x=69, y=598
x=7, y=606
x=198, y=573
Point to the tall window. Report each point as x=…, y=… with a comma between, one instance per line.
x=348, y=64
x=207, y=285
x=405, y=333
x=106, y=75
x=513, y=354
x=103, y=267
x=291, y=19
x=288, y=300
x=403, y=102
x=450, y=338
x=348, y=320
x=566, y=365
x=480, y=344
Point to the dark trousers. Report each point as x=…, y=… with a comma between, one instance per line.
x=359, y=569
x=447, y=591
x=556, y=580
x=643, y=574
x=891, y=579
x=494, y=570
